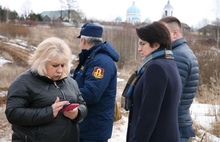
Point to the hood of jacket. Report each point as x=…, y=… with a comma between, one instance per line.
x=104, y=48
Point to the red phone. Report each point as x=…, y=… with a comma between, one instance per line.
x=70, y=107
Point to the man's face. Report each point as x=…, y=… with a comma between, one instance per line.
x=82, y=43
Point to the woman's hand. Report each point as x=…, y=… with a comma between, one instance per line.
x=57, y=106
x=71, y=114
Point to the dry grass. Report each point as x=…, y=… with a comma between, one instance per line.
x=210, y=94
x=8, y=72
x=200, y=134
x=13, y=31
x=216, y=128
x=36, y=34
x=6, y=55
x=209, y=87
x=68, y=34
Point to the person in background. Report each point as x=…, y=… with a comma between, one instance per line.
x=155, y=98
x=96, y=75
x=36, y=97
x=189, y=71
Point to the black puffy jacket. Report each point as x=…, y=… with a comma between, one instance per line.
x=29, y=109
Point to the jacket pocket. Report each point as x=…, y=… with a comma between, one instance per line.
x=17, y=138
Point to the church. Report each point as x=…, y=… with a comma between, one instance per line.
x=133, y=14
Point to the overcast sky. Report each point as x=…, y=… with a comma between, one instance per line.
x=191, y=12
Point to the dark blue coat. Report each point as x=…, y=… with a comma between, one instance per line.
x=189, y=71
x=153, y=115
x=96, y=76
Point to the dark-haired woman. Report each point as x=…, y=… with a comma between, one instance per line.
x=155, y=97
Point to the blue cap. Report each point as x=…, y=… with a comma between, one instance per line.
x=92, y=30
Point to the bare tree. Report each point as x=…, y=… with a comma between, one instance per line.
x=26, y=8
x=69, y=5
x=203, y=23
x=217, y=10
x=81, y=13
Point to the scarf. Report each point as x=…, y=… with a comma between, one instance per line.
x=129, y=88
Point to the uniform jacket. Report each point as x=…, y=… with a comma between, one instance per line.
x=189, y=71
x=96, y=76
x=153, y=114
x=29, y=109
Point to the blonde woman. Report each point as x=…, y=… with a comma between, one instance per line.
x=37, y=97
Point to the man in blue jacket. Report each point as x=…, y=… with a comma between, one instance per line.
x=189, y=71
x=96, y=75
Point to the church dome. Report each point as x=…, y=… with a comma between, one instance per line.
x=168, y=9
x=133, y=9
x=118, y=18
x=147, y=20
x=168, y=6
x=133, y=14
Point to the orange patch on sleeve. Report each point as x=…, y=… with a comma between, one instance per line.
x=98, y=72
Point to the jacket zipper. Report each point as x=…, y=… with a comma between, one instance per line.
x=64, y=96
x=25, y=138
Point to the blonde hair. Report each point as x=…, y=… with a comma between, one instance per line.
x=52, y=48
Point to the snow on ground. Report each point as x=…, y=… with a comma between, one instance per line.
x=3, y=61
x=119, y=130
x=202, y=114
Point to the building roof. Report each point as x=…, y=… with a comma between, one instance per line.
x=58, y=14
x=185, y=26
x=210, y=27
x=53, y=14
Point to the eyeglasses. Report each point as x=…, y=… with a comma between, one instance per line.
x=141, y=43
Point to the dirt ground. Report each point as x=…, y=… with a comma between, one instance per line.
x=5, y=126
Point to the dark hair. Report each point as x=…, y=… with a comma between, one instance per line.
x=171, y=20
x=155, y=32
